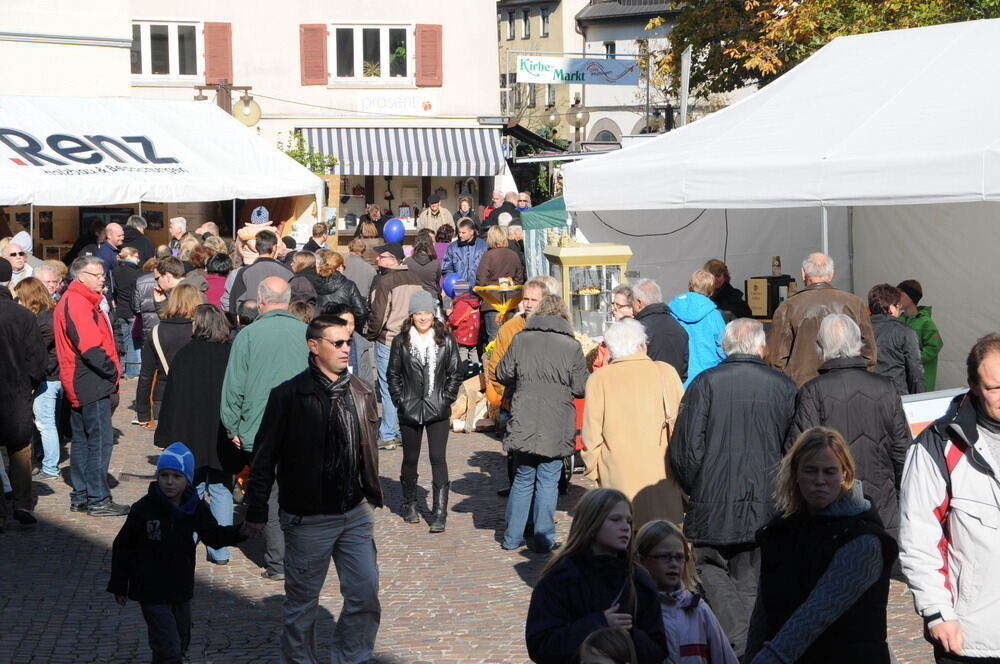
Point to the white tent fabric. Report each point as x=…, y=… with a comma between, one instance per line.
x=99, y=151
x=888, y=118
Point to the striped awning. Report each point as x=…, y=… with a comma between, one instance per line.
x=420, y=151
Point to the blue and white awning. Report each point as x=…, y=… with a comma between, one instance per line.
x=421, y=151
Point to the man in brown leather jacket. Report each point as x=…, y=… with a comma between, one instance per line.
x=792, y=342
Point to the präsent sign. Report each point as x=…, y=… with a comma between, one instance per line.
x=592, y=71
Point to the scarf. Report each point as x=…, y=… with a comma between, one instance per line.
x=341, y=450
x=466, y=243
x=189, y=500
x=424, y=349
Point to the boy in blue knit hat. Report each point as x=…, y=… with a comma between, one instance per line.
x=153, y=557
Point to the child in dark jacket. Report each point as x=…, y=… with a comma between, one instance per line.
x=592, y=583
x=153, y=556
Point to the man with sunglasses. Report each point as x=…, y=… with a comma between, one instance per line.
x=18, y=259
x=89, y=371
x=318, y=439
x=265, y=354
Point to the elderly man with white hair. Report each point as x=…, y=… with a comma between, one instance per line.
x=728, y=441
x=864, y=407
x=17, y=256
x=792, y=342
x=628, y=420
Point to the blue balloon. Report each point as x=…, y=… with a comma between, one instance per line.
x=448, y=283
x=394, y=230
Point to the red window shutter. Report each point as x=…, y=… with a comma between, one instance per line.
x=218, y=52
x=312, y=54
x=430, y=64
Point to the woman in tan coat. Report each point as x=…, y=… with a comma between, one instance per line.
x=628, y=417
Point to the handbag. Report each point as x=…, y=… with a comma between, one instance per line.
x=159, y=350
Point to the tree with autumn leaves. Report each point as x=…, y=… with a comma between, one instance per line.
x=736, y=43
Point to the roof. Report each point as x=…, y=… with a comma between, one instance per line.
x=69, y=151
x=600, y=10
x=889, y=118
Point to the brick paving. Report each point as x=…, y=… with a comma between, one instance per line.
x=449, y=598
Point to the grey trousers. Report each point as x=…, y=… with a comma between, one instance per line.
x=274, y=539
x=365, y=365
x=310, y=543
x=729, y=575
x=169, y=628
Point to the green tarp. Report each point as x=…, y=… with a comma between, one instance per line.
x=550, y=214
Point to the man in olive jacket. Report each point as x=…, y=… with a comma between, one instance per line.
x=791, y=346
x=268, y=352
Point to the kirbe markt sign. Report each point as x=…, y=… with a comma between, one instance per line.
x=592, y=71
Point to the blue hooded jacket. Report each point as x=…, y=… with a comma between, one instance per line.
x=703, y=323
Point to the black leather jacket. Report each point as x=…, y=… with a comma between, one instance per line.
x=407, y=379
x=338, y=289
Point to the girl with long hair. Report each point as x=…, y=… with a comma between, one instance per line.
x=611, y=645
x=423, y=380
x=592, y=582
x=693, y=632
x=825, y=563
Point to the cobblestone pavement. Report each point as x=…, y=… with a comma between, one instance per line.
x=448, y=598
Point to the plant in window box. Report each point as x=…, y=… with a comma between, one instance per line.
x=398, y=55
x=371, y=69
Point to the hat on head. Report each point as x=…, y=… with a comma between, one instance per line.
x=912, y=289
x=260, y=215
x=6, y=271
x=177, y=457
x=394, y=248
x=433, y=198
x=421, y=301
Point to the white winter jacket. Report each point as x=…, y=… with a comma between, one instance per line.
x=950, y=528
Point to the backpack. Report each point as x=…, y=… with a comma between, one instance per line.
x=464, y=319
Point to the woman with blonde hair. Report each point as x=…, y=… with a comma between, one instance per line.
x=333, y=288
x=370, y=235
x=593, y=582
x=703, y=323
x=188, y=244
x=693, y=631
x=171, y=334
x=32, y=294
x=825, y=563
x=499, y=262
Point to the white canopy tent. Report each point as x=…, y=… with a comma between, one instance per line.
x=892, y=138
x=67, y=151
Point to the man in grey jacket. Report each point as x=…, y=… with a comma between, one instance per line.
x=357, y=269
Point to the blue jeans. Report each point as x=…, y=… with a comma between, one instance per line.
x=46, y=408
x=537, y=478
x=133, y=352
x=389, y=427
x=90, y=452
x=490, y=322
x=221, y=505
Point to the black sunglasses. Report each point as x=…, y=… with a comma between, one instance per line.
x=17, y=253
x=339, y=343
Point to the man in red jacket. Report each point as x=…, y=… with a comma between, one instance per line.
x=89, y=371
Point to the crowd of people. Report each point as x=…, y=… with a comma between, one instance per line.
x=757, y=489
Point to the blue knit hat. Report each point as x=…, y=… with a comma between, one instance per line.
x=177, y=457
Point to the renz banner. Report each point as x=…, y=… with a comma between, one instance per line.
x=109, y=150
x=591, y=71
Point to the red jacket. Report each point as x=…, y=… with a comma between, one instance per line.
x=85, y=346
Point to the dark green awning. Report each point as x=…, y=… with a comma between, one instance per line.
x=550, y=214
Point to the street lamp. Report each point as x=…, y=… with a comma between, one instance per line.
x=553, y=119
x=578, y=117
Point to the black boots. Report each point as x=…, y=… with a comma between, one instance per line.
x=440, y=513
x=410, y=514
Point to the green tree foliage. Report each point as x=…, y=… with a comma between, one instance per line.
x=741, y=42
x=317, y=162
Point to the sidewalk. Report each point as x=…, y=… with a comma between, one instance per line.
x=448, y=598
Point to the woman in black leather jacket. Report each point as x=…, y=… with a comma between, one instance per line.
x=333, y=287
x=423, y=380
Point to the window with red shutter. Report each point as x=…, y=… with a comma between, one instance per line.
x=312, y=54
x=429, y=60
x=218, y=52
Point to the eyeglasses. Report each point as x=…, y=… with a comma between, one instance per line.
x=99, y=275
x=668, y=557
x=615, y=305
x=339, y=343
x=522, y=201
x=17, y=253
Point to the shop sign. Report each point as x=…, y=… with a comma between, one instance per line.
x=61, y=149
x=423, y=103
x=592, y=71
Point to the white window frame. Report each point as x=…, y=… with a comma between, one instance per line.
x=511, y=26
x=544, y=17
x=610, y=49
x=173, y=51
x=384, y=80
x=526, y=23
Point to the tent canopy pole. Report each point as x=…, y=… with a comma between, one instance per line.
x=826, y=232
x=31, y=222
